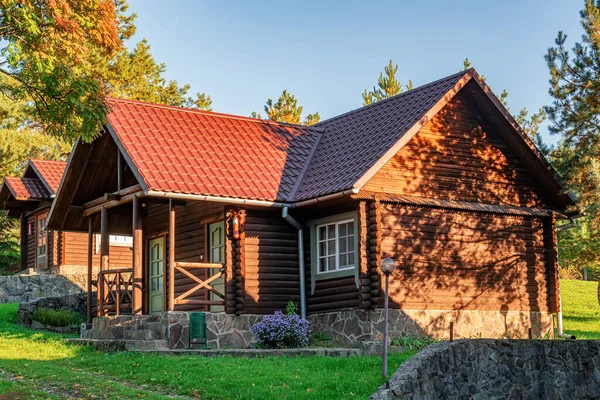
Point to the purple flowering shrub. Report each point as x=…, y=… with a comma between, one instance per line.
x=281, y=331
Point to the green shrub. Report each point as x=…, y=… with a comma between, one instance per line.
x=57, y=318
x=321, y=339
x=413, y=342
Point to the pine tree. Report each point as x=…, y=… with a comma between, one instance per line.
x=575, y=115
x=311, y=119
x=575, y=110
x=286, y=109
x=387, y=86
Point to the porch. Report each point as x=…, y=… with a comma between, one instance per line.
x=160, y=279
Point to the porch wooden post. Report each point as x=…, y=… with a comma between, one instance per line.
x=90, y=269
x=137, y=266
x=104, y=249
x=171, y=256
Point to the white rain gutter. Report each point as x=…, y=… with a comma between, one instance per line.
x=324, y=198
x=249, y=202
x=216, y=199
x=301, y=272
x=284, y=214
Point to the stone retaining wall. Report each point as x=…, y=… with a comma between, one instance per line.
x=73, y=302
x=23, y=288
x=76, y=274
x=354, y=326
x=499, y=369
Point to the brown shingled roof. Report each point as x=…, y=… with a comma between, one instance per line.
x=355, y=141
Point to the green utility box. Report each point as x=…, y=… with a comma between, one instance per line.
x=198, y=330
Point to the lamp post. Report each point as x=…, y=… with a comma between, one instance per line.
x=387, y=267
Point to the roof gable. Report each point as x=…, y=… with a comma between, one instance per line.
x=460, y=155
x=179, y=150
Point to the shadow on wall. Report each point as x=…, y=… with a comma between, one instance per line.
x=493, y=266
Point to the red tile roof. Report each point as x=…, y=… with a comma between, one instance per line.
x=353, y=142
x=26, y=188
x=197, y=152
x=50, y=172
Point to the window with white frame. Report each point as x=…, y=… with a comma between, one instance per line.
x=334, y=248
x=114, y=240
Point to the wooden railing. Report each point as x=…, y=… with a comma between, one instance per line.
x=183, y=267
x=114, y=291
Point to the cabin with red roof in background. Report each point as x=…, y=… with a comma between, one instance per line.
x=29, y=199
x=236, y=217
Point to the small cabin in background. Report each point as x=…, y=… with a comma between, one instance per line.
x=235, y=217
x=29, y=199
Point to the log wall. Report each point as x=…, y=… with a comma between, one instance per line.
x=270, y=271
x=459, y=155
x=75, y=251
x=449, y=260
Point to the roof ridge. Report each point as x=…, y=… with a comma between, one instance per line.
x=54, y=161
x=402, y=94
x=210, y=113
x=306, y=165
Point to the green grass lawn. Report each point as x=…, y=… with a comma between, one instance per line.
x=39, y=365
x=581, y=312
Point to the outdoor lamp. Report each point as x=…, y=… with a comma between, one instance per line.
x=387, y=267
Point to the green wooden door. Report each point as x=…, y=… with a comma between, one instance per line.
x=216, y=245
x=157, y=274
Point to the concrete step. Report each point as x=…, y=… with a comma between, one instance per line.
x=121, y=345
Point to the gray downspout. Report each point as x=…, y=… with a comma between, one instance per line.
x=285, y=214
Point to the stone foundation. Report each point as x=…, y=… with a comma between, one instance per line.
x=354, y=326
x=222, y=330
x=351, y=328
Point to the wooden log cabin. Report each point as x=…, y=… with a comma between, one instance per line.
x=29, y=199
x=239, y=215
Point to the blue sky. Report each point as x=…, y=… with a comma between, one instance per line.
x=326, y=52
